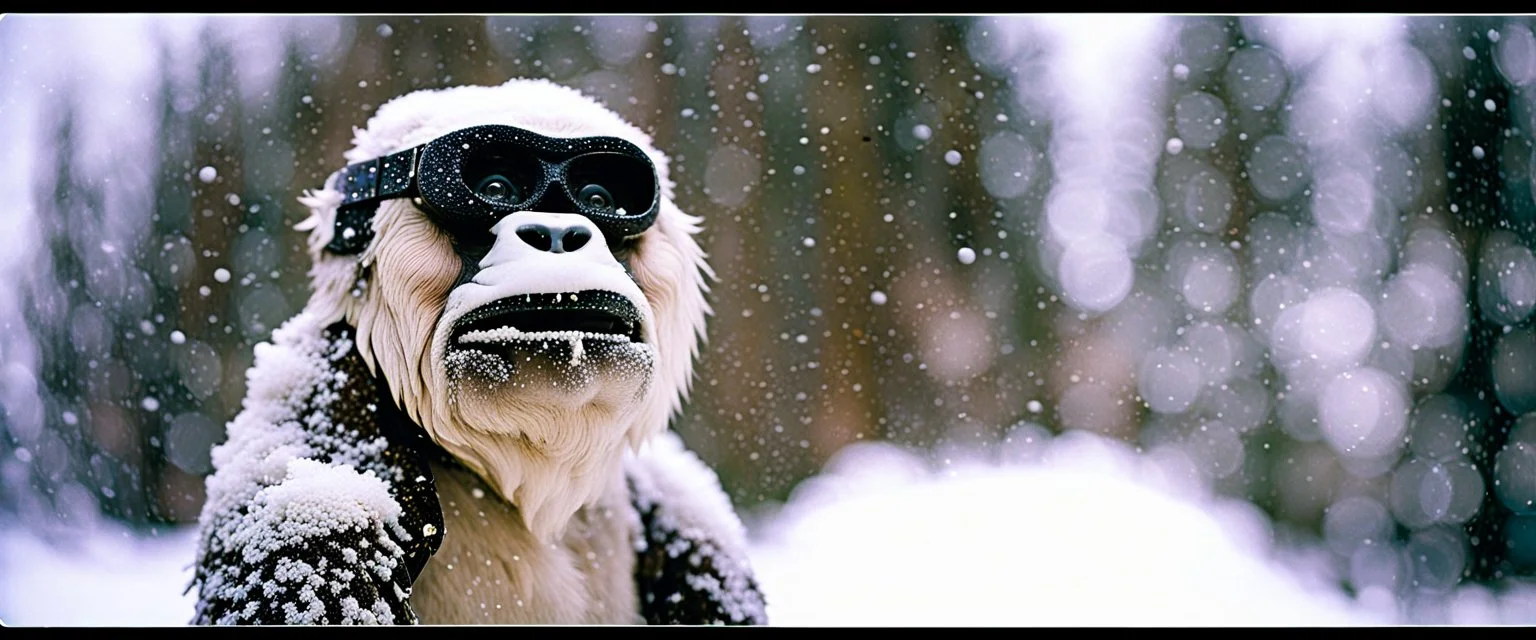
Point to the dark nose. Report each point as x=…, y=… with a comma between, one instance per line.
x=554, y=239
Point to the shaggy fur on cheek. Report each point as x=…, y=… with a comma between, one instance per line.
x=412, y=267
x=671, y=269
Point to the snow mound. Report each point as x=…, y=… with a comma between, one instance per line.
x=110, y=576
x=1086, y=534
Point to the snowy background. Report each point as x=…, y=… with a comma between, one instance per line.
x=1036, y=320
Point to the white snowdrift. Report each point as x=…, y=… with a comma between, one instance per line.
x=109, y=578
x=1090, y=534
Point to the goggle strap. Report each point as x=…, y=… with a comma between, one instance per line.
x=379, y=178
x=396, y=171
x=362, y=186
x=354, y=227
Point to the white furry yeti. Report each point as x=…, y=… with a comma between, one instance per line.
x=468, y=421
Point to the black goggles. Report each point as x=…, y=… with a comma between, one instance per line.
x=471, y=178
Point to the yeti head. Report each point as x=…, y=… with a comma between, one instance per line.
x=518, y=274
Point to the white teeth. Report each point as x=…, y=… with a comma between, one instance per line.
x=511, y=334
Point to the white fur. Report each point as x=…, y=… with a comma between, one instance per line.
x=491, y=570
x=546, y=455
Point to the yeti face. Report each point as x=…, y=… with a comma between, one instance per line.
x=519, y=276
x=550, y=316
x=542, y=310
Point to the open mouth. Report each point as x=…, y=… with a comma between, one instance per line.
x=593, y=314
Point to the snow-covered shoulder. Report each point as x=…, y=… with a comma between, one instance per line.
x=267, y=433
x=665, y=472
x=693, y=564
x=299, y=525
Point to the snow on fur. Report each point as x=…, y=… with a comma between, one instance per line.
x=270, y=497
x=687, y=499
x=313, y=501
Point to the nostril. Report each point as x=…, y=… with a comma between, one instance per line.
x=575, y=238
x=554, y=239
x=537, y=236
